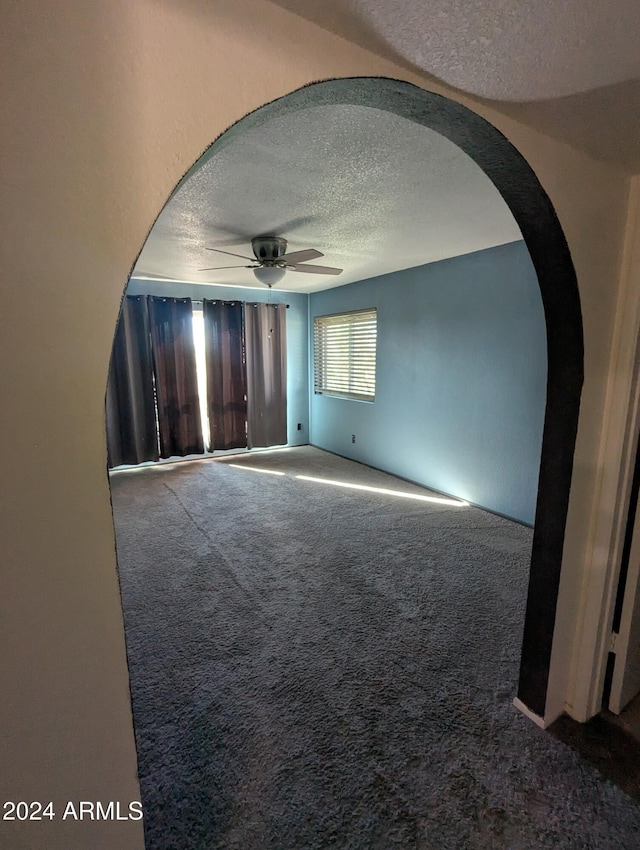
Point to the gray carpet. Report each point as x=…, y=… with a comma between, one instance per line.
x=317, y=667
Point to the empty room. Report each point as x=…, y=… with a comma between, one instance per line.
x=320, y=417
x=325, y=420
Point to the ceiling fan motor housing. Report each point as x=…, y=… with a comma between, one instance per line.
x=268, y=249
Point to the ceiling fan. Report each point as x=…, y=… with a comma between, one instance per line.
x=271, y=261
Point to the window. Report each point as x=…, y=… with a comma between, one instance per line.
x=344, y=353
x=201, y=370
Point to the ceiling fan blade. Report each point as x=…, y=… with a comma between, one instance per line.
x=220, y=268
x=231, y=254
x=314, y=269
x=300, y=256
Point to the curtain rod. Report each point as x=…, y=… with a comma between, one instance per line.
x=199, y=301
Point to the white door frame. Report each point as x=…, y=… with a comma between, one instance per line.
x=625, y=681
x=615, y=470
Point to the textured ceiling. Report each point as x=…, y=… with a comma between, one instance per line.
x=372, y=191
x=500, y=49
x=571, y=68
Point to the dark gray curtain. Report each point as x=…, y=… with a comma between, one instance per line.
x=130, y=404
x=179, y=424
x=226, y=375
x=266, y=352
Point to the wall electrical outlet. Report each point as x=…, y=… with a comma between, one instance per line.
x=299, y=426
x=353, y=438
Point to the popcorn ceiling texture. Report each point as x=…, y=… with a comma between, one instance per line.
x=373, y=191
x=316, y=667
x=515, y=49
x=502, y=49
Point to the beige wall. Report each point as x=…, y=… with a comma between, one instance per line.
x=106, y=106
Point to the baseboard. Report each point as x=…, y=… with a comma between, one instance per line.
x=539, y=721
x=424, y=486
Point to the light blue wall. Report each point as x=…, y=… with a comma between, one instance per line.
x=297, y=339
x=461, y=378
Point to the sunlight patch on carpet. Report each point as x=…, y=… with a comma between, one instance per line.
x=439, y=500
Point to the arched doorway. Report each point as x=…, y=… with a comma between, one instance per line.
x=542, y=233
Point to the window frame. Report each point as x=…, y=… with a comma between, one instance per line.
x=356, y=371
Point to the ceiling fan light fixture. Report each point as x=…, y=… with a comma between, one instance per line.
x=269, y=275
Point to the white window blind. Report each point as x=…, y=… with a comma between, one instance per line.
x=344, y=349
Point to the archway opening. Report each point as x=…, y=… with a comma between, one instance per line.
x=548, y=252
